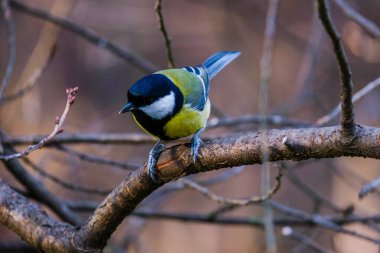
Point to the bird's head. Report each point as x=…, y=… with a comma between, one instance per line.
x=155, y=95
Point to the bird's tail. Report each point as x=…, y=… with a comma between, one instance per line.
x=218, y=61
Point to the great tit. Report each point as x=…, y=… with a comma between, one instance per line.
x=174, y=103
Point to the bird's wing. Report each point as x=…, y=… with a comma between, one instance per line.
x=193, y=83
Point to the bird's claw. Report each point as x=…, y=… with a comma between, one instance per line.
x=196, y=144
x=154, y=154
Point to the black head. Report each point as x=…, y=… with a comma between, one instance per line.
x=150, y=88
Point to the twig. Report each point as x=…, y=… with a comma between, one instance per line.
x=10, y=28
x=64, y=184
x=316, y=247
x=232, y=201
x=347, y=121
x=29, y=85
x=160, y=16
x=369, y=187
x=38, y=190
x=305, y=187
x=358, y=95
x=42, y=53
x=368, y=25
x=137, y=138
x=319, y=220
x=265, y=74
x=98, y=138
x=276, y=120
x=124, y=53
x=71, y=94
x=97, y=159
x=352, y=179
x=306, y=74
x=306, y=221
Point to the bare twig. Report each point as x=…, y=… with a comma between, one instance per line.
x=307, y=189
x=30, y=83
x=369, y=187
x=265, y=74
x=316, y=247
x=42, y=53
x=365, y=23
x=275, y=120
x=10, y=27
x=320, y=221
x=137, y=138
x=358, y=95
x=160, y=16
x=306, y=74
x=60, y=182
x=71, y=94
x=124, y=53
x=38, y=190
x=97, y=159
x=305, y=221
x=232, y=201
x=98, y=138
x=347, y=121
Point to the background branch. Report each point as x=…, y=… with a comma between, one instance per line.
x=160, y=16
x=11, y=43
x=126, y=54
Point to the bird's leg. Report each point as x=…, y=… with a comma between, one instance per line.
x=154, y=154
x=196, y=144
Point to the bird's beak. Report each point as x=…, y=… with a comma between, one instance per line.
x=129, y=106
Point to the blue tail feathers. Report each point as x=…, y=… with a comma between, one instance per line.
x=218, y=61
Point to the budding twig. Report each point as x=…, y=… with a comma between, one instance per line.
x=58, y=123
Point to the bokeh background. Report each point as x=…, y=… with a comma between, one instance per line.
x=304, y=85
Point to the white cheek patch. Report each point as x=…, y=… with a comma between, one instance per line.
x=160, y=108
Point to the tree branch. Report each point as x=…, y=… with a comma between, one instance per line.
x=347, y=121
x=32, y=223
x=71, y=95
x=126, y=54
x=160, y=16
x=226, y=152
x=10, y=27
x=365, y=23
x=176, y=162
x=357, y=96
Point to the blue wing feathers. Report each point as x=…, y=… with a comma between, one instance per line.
x=218, y=61
x=205, y=72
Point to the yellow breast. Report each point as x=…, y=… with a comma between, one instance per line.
x=187, y=121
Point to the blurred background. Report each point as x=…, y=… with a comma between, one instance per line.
x=304, y=85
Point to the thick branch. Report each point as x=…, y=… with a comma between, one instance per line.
x=32, y=224
x=38, y=190
x=291, y=144
x=295, y=144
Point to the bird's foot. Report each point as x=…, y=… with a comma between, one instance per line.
x=154, y=154
x=196, y=144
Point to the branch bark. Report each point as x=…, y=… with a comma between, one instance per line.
x=290, y=144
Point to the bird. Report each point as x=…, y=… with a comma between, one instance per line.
x=174, y=103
